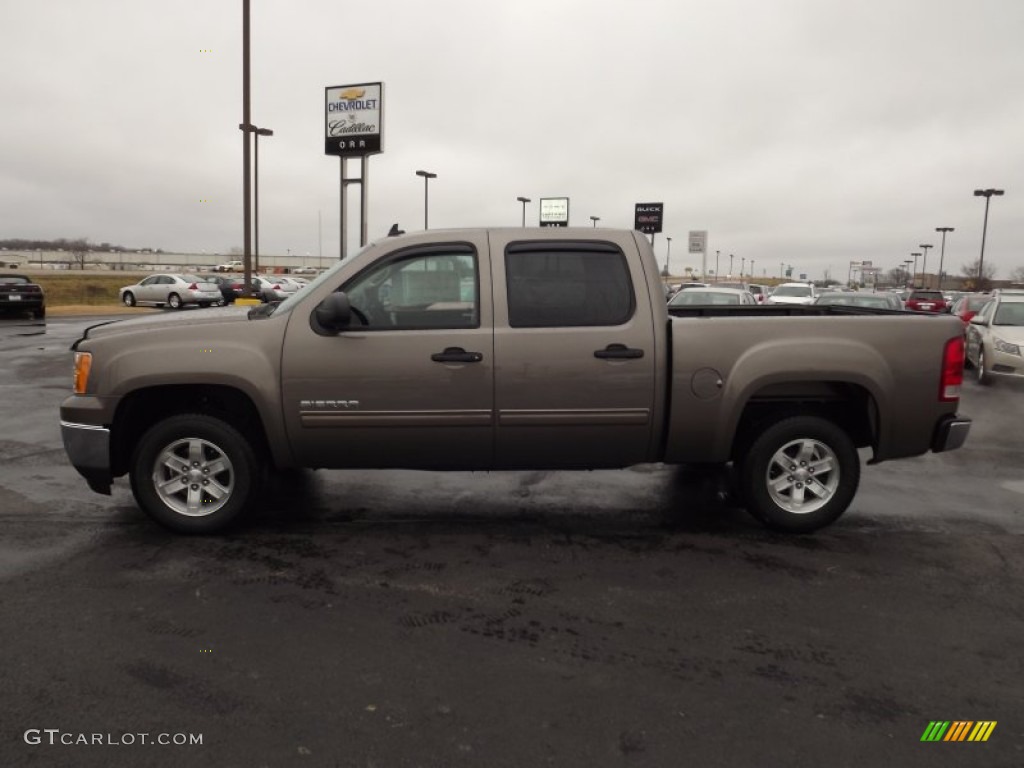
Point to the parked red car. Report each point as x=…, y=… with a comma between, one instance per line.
x=926, y=301
x=967, y=306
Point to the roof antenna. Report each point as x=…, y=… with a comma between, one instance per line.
x=395, y=231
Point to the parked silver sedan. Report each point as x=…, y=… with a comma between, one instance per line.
x=995, y=338
x=710, y=295
x=172, y=290
x=273, y=287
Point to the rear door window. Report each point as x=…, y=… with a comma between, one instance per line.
x=562, y=285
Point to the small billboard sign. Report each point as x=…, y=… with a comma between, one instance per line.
x=354, y=117
x=554, y=211
x=698, y=240
x=648, y=217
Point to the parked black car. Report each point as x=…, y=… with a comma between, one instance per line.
x=19, y=294
x=230, y=285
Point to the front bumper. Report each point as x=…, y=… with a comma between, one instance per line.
x=1004, y=363
x=950, y=433
x=88, y=448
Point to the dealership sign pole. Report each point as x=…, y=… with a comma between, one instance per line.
x=648, y=218
x=354, y=128
x=699, y=244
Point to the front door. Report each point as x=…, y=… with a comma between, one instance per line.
x=411, y=382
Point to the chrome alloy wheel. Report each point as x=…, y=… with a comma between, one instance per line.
x=802, y=476
x=193, y=477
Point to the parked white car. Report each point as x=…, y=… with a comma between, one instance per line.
x=172, y=290
x=793, y=293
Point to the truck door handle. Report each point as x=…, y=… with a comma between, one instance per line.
x=618, y=352
x=456, y=355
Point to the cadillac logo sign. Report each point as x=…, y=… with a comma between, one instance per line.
x=354, y=119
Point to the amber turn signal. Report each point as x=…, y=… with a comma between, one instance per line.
x=83, y=364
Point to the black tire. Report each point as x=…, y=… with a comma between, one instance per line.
x=174, y=301
x=227, y=465
x=128, y=299
x=778, y=499
x=204, y=304
x=40, y=314
x=982, y=375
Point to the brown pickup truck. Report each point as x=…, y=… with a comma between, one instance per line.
x=506, y=349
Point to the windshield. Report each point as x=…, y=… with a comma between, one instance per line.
x=792, y=290
x=1009, y=314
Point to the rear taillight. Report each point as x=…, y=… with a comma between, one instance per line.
x=952, y=370
x=193, y=287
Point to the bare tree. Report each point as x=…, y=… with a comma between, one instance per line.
x=970, y=271
x=1017, y=275
x=79, y=250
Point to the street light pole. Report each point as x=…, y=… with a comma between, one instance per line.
x=743, y=265
x=906, y=272
x=942, y=253
x=987, y=194
x=524, y=201
x=668, y=256
x=257, y=132
x=731, y=257
x=913, y=281
x=924, y=265
x=427, y=176
x=752, y=269
x=716, y=266
x=596, y=219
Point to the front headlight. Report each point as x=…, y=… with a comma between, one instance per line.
x=83, y=365
x=1007, y=347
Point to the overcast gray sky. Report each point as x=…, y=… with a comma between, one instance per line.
x=811, y=132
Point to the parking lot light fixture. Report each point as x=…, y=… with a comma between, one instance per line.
x=595, y=219
x=942, y=252
x=427, y=176
x=924, y=265
x=524, y=201
x=913, y=277
x=987, y=194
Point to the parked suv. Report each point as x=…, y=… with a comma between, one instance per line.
x=927, y=301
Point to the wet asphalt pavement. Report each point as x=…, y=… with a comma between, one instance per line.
x=510, y=619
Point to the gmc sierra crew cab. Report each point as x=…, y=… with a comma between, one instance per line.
x=507, y=349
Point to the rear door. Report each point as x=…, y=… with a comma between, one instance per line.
x=411, y=382
x=575, y=353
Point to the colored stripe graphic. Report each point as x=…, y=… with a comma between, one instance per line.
x=958, y=730
x=982, y=730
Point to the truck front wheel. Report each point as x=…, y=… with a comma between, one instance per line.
x=799, y=474
x=194, y=473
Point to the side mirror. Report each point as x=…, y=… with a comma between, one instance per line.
x=978, y=321
x=333, y=313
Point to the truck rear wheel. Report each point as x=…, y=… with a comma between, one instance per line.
x=799, y=474
x=194, y=473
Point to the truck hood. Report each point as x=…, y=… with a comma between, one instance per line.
x=166, y=319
